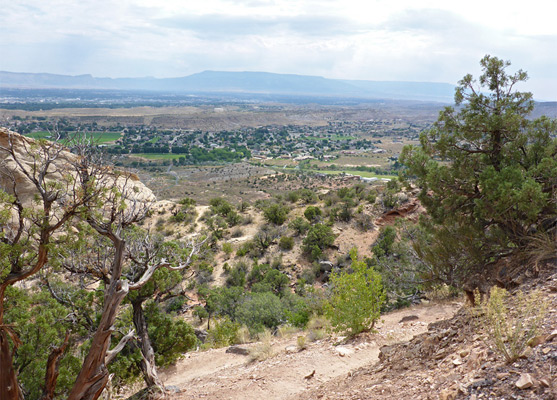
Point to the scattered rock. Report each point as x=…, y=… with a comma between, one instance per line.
x=457, y=362
x=544, y=382
x=291, y=349
x=386, y=351
x=546, y=350
x=408, y=318
x=525, y=381
x=238, y=350
x=502, y=375
x=448, y=394
x=552, y=336
x=173, y=389
x=326, y=265
x=527, y=352
x=310, y=375
x=201, y=334
x=481, y=383
x=343, y=351
x=464, y=353
x=535, y=341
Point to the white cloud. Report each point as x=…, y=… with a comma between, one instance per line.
x=430, y=40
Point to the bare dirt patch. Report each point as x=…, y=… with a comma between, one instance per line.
x=215, y=374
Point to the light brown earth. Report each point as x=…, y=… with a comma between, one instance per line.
x=215, y=374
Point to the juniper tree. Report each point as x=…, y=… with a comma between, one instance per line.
x=488, y=176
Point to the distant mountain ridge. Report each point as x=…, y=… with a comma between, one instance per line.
x=241, y=82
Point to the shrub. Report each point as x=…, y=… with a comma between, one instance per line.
x=276, y=213
x=319, y=237
x=308, y=196
x=227, y=248
x=356, y=298
x=317, y=328
x=299, y=225
x=345, y=213
x=233, y=218
x=170, y=337
x=364, y=222
x=245, y=249
x=236, y=276
x=297, y=310
x=243, y=206
x=223, y=334
x=286, y=243
x=260, y=310
x=293, y=196
x=510, y=322
x=371, y=198
x=301, y=343
x=383, y=246
x=312, y=213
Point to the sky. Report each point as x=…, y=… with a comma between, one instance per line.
x=381, y=40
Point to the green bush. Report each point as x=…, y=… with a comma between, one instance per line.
x=41, y=325
x=318, y=238
x=245, y=249
x=308, y=196
x=276, y=213
x=286, y=243
x=170, y=337
x=297, y=310
x=312, y=213
x=237, y=276
x=299, y=225
x=260, y=310
x=383, y=246
x=227, y=248
x=223, y=334
x=356, y=298
x=293, y=196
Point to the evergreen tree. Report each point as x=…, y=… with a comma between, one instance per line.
x=488, y=177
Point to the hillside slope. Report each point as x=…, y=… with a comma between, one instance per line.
x=216, y=374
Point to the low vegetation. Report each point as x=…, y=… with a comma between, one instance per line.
x=509, y=323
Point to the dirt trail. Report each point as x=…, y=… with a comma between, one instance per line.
x=215, y=374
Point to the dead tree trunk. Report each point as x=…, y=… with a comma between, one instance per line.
x=148, y=366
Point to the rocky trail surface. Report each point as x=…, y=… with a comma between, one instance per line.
x=289, y=372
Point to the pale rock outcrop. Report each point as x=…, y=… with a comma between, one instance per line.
x=28, y=154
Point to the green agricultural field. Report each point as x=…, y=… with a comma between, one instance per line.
x=97, y=137
x=363, y=174
x=158, y=156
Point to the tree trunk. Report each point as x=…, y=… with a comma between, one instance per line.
x=52, y=369
x=9, y=387
x=93, y=376
x=148, y=366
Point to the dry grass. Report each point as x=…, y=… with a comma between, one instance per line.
x=264, y=349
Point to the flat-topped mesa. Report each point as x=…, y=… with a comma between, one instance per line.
x=29, y=154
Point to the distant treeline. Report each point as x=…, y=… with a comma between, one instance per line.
x=192, y=155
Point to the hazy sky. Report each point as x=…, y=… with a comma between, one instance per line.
x=412, y=40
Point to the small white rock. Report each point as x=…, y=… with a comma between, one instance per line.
x=525, y=381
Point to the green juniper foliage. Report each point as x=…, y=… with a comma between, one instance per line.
x=487, y=175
